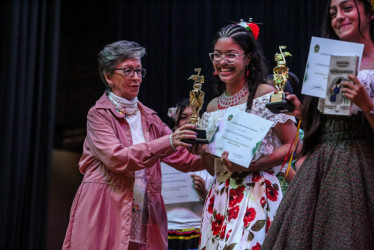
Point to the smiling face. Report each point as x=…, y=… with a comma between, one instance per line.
x=230, y=73
x=347, y=20
x=125, y=87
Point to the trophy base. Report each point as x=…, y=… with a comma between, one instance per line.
x=283, y=106
x=201, y=137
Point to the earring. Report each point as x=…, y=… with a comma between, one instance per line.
x=247, y=71
x=215, y=73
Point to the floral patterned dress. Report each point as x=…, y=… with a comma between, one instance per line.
x=240, y=206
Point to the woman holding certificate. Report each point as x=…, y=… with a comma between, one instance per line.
x=242, y=201
x=119, y=204
x=330, y=202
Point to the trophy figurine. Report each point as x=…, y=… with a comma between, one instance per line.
x=196, y=102
x=278, y=102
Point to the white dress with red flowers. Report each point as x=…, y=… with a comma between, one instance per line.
x=240, y=206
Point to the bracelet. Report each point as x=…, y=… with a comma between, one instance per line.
x=171, y=142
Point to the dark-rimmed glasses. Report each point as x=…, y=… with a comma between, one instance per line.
x=230, y=58
x=129, y=72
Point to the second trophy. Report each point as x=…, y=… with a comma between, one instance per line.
x=278, y=102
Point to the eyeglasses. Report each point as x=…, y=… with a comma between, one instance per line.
x=230, y=58
x=129, y=72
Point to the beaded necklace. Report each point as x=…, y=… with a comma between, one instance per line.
x=125, y=113
x=125, y=108
x=225, y=101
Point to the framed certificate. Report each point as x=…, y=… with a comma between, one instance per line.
x=239, y=133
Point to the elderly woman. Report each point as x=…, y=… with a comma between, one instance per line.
x=119, y=204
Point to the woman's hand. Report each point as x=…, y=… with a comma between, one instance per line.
x=184, y=132
x=199, y=185
x=298, y=106
x=357, y=94
x=233, y=167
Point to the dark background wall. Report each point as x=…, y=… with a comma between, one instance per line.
x=177, y=35
x=49, y=81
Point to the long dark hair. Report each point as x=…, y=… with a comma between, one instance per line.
x=312, y=118
x=256, y=67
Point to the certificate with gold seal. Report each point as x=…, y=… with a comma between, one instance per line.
x=239, y=133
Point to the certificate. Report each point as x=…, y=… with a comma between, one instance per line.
x=317, y=67
x=239, y=133
x=177, y=186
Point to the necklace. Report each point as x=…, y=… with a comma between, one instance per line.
x=126, y=113
x=225, y=101
x=124, y=107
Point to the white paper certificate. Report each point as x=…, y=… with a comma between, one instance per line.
x=317, y=67
x=177, y=187
x=239, y=133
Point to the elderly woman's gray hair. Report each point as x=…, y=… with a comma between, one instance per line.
x=113, y=54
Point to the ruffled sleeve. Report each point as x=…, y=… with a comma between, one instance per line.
x=259, y=109
x=271, y=140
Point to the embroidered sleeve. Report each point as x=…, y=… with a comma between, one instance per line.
x=259, y=108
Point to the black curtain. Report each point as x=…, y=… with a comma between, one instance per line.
x=29, y=52
x=178, y=36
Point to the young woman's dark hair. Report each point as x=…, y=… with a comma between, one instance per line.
x=181, y=106
x=312, y=118
x=257, y=68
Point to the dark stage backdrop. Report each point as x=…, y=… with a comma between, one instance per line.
x=29, y=53
x=178, y=36
x=49, y=55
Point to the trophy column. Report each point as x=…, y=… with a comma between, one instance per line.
x=196, y=102
x=278, y=102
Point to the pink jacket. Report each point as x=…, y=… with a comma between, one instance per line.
x=100, y=216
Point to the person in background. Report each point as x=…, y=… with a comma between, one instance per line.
x=242, y=201
x=184, y=219
x=330, y=202
x=119, y=204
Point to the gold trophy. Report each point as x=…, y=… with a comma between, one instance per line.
x=278, y=102
x=196, y=102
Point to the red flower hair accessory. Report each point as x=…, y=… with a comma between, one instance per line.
x=250, y=26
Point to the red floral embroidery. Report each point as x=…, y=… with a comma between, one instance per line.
x=256, y=176
x=249, y=216
x=263, y=201
x=228, y=234
x=271, y=192
x=255, y=29
x=256, y=247
x=217, y=224
x=236, y=196
x=210, y=206
x=223, y=230
x=233, y=212
x=210, y=191
x=268, y=224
